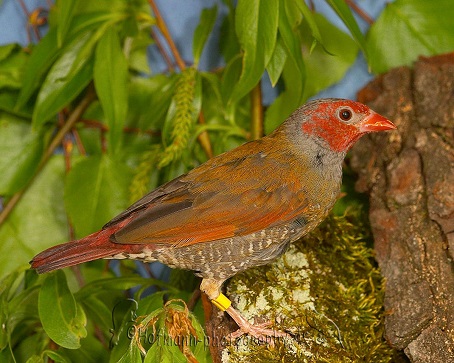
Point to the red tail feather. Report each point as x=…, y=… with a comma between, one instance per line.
x=95, y=246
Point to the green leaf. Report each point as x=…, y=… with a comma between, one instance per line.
x=55, y=356
x=277, y=62
x=132, y=355
x=22, y=307
x=151, y=303
x=149, y=100
x=12, y=60
x=38, y=221
x=116, y=283
x=288, y=23
x=8, y=103
x=96, y=190
x=97, y=311
x=294, y=73
x=111, y=77
x=164, y=353
x=230, y=77
x=6, y=285
x=35, y=359
x=309, y=17
x=124, y=328
x=256, y=25
x=203, y=30
x=70, y=74
x=62, y=319
x=326, y=69
x=288, y=100
x=65, y=14
x=201, y=351
x=46, y=51
x=344, y=12
x=229, y=46
x=41, y=59
x=407, y=29
x=96, y=20
x=24, y=146
x=137, y=55
x=7, y=49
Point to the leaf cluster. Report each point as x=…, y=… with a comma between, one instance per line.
x=86, y=128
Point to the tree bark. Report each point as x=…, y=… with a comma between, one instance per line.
x=409, y=174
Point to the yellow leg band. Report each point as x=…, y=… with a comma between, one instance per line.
x=222, y=302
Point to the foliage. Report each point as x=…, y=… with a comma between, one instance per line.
x=86, y=129
x=407, y=29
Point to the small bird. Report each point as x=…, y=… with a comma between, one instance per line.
x=238, y=210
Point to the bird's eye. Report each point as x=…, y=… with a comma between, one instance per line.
x=345, y=114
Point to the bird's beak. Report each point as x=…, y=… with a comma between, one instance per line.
x=375, y=122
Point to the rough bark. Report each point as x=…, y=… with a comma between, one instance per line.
x=409, y=174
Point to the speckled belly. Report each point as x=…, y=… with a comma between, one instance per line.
x=224, y=258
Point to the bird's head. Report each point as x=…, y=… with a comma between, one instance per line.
x=337, y=123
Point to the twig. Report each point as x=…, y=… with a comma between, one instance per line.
x=360, y=12
x=27, y=15
x=56, y=141
x=196, y=294
x=256, y=112
x=162, y=50
x=78, y=141
x=311, y=5
x=33, y=21
x=204, y=138
x=165, y=32
x=24, y=8
x=133, y=130
x=66, y=142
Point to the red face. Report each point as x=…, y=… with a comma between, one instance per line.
x=342, y=122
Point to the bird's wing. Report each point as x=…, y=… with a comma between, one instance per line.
x=238, y=194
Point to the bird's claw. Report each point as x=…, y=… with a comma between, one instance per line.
x=260, y=332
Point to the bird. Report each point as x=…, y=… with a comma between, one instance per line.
x=238, y=210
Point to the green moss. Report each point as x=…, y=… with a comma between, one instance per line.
x=326, y=290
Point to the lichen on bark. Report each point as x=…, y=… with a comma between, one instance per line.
x=326, y=290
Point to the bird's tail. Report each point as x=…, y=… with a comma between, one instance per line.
x=95, y=246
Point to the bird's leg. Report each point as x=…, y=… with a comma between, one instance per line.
x=212, y=288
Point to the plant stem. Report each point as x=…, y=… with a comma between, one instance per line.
x=256, y=112
x=163, y=52
x=196, y=294
x=71, y=121
x=165, y=32
x=360, y=12
x=203, y=137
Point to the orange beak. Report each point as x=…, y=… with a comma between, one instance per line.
x=376, y=122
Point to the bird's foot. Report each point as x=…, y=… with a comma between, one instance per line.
x=259, y=331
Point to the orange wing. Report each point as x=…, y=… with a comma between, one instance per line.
x=225, y=197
